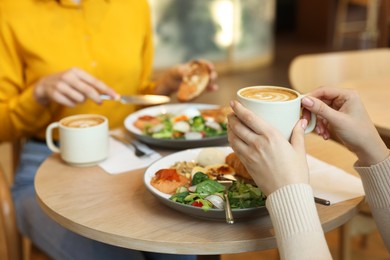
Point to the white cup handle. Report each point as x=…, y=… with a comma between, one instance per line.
x=312, y=123
x=49, y=137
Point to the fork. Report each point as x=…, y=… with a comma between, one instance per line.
x=137, y=151
x=143, y=148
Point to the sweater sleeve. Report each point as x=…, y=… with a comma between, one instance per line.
x=147, y=86
x=376, y=183
x=298, y=230
x=18, y=109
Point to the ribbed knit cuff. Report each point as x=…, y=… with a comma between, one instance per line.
x=376, y=182
x=292, y=210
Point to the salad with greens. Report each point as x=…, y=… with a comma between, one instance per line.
x=191, y=124
x=207, y=193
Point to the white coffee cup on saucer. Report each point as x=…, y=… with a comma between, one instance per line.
x=83, y=139
x=279, y=106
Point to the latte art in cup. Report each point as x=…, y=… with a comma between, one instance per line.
x=278, y=106
x=269, y=94
x=83, y=122
x=83, y=139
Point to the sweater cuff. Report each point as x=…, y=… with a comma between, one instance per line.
x=26, y=103
x=376, y=182
x=292, y=210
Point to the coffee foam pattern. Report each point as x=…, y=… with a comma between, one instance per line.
x=269, y=94
x=83, y=122
x=272, y=96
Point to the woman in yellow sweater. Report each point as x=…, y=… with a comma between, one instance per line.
x=56, y=56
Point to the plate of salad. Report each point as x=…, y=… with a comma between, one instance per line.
x=180, y=126
x=201, y=195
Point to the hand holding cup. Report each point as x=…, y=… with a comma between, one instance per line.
x=278, y=106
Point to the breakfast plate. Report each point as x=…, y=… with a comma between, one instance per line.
x=175, y=109
x=211, y=214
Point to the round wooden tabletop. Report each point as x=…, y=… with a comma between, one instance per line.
x=119, y=210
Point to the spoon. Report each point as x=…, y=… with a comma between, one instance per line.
x=228, y=211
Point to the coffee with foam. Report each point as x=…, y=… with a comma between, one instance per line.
x=83, y=122
x=278, y=106
x=269, y=94
x=84, y=139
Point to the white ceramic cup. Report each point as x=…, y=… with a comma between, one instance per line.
x=83, y=139
x=282, y=110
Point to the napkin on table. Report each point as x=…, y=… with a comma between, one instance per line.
x=121, y=159
x=332, y=183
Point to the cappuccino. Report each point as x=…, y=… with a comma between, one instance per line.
x=83, y=139
x=83, y=122
x=269, y=94
x=278, y=106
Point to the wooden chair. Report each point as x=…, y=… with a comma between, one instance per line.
x=367, y=30
x=13, y=246
x=307, y=72
x=371, y=32
x=10, y=240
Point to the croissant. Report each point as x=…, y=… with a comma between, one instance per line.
x=233, y=161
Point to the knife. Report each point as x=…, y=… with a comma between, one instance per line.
x=139, y=99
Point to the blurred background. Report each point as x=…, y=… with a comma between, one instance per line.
x=252, y=42
x=226, y=32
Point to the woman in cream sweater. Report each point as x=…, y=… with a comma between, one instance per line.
x=298, y=230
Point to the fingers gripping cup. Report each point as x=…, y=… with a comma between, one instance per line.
x=279, y=106
x=83, y=139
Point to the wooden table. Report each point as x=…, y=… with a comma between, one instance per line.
x=118, y=210
x=375, y=94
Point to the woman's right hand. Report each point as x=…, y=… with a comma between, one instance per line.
x=261, y=148
x=70, y=88
x=342, y=112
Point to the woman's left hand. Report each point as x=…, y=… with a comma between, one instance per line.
x=170, y=81
x=269, y=158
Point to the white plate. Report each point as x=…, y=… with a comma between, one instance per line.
x=212, y=214
x=172, y=143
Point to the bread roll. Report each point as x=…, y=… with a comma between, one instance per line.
x=195, y=82
x=233, y=161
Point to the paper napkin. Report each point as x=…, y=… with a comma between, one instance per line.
x=332, y=183
x=121, y=159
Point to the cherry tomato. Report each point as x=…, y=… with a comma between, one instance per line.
x=197, y=204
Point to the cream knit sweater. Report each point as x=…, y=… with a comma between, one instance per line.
x=297, y=227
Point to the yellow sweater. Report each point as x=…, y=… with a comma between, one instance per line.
x=110, y=39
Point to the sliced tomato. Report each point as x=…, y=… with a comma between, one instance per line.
x=146, y=117
x=168, y=174
x=197, y=204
